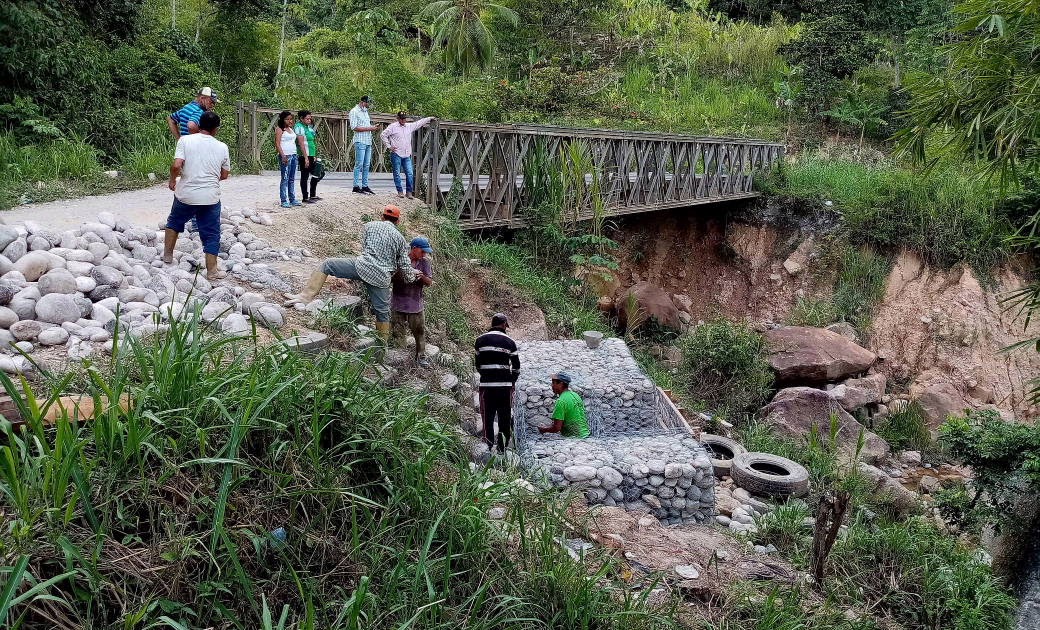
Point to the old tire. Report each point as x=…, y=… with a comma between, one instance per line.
x=770, y=475
x=721, y=450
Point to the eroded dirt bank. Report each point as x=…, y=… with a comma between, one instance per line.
x=939, y=333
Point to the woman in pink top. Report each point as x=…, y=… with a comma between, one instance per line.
x=398, y=138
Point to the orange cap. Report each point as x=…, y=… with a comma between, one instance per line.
x=392, y=211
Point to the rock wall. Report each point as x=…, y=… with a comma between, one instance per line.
x=668, y=475
x=638, y=457
x=619, y=398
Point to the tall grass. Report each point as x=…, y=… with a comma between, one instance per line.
x=723, y=367
x=151, y=150
x=948, y=215
x=247, y=487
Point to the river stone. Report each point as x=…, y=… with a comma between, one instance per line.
x=53, y=336
x=7, y=292
x=106, y=276
x=85, y=284
x=107, y=219
x=8, y=235
x=103, y=292
x=16, y=250
x=5, y=265
x=579, y=473
x=268, y=314
x=216, y=310
x=38, y=244
x=25, y=309
x=35, y=264
x=57, y=281
x=99, y=250
x=56, y=308
x=236, y=324
x=7, y=317
x=78, y=268
x=26, y=330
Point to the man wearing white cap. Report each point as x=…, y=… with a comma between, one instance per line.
x=185, y=120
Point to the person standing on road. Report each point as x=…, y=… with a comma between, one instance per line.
x=568, y=416
x=287, y=143
x=384, y=250
x=362, y=125
x=398, y=138
x=202, y=162
x=498, y=363
x=406, y=300
x=185, y=121
x=308, y=154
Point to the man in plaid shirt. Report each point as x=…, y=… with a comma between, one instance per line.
x=383, y=251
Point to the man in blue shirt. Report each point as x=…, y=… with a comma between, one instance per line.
x=185, y=120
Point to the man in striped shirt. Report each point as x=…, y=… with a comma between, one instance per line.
x=498, y=363
x=185, y=121
x=384, y=251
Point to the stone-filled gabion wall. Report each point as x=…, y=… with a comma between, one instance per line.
x=638, y=456
x=619, y=398
x=669, y=475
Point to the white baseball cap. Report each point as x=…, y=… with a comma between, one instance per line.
x=208, y=91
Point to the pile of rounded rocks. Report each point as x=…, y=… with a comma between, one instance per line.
x=66, y=288
x=638, y=457
x=668, y=475
x=618, y=396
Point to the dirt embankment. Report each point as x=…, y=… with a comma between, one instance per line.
x=941, y=330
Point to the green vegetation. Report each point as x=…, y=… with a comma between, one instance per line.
x=859, y=286
x=1005, y=459
x=723, y=367
x=244, y=483
x=906, y=430
x=946, y=214
x=881, y=563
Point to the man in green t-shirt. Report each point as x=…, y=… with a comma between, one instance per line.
x=569, y=414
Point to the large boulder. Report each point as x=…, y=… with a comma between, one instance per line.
x=938, y=398
x=795, y=411
x=652, y=302
x=860, y=392
x=802, y=356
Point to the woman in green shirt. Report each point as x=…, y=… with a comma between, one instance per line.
x=569, y=414
x=305, y=131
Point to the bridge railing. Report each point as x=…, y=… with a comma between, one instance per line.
x=477, y=171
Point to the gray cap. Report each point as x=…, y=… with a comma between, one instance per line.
x=498, y=320
x=563, y=377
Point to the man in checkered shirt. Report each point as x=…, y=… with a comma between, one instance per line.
x=384, y=250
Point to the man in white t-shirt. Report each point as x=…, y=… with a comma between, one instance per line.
x=202, y=162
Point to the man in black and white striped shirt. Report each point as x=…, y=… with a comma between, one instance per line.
x=498, y=363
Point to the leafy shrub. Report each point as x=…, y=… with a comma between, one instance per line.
x=723, y=366
x=1004, y=456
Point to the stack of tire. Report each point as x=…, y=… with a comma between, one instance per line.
x=759, y=473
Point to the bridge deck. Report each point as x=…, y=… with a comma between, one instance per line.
x=479, y=172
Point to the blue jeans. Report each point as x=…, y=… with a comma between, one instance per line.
x=287, y=187
x=378, y=296
x=206, y=218
x=362, y=162
x=403, y=163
